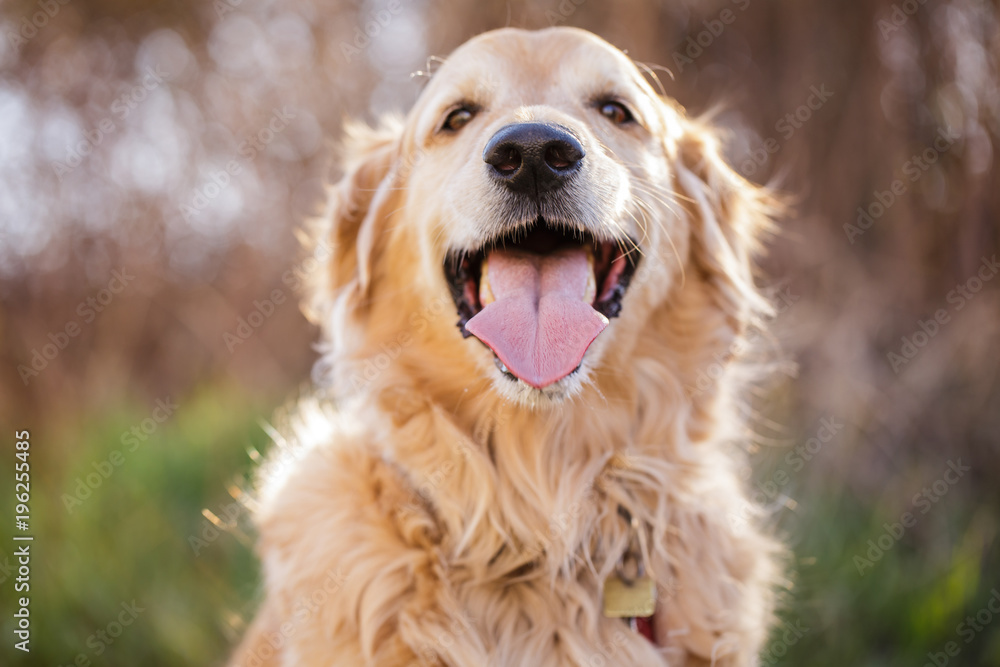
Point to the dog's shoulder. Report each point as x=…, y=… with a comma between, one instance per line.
x=328, y=466
x=336, y=520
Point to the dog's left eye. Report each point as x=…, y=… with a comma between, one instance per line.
x=616, y=112
x=458, y=119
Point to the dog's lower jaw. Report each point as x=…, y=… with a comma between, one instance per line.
x=521, y=393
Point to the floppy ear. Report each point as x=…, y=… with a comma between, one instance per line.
x=346, y=237
x=728, y=216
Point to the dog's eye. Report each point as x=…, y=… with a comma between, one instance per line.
x=457, y=119
x=616, y=112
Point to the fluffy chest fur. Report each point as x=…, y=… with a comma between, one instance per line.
x=429, y=541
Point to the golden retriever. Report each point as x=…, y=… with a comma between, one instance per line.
x=524, y=282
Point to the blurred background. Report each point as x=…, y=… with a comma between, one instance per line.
x=157, y=157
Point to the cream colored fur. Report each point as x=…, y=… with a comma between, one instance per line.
x=428, y=511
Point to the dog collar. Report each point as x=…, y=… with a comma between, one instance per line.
x=645, y=626
x=629, y=593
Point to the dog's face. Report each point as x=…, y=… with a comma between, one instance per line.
x=534, y=195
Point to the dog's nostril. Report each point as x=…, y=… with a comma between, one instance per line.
x=557, y=156
x=506, y=159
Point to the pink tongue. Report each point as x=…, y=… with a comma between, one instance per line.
x=539, y=325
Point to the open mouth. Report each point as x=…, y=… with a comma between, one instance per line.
x=539, y=296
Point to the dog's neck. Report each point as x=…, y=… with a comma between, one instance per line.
x=514, y=488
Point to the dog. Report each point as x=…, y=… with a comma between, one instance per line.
x=514, y=457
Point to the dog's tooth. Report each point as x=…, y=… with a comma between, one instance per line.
x=485, y=292
x=591, y=292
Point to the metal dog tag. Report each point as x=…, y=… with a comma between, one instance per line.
x=629, y=600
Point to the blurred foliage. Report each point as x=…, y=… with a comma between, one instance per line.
x=134, y=534
x=906, y=601
x=217, y=72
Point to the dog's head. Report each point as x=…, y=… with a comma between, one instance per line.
x=540, y=222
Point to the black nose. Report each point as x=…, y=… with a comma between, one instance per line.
x=533, y=157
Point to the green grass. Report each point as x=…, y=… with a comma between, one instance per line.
x=129, y=540
x=909, y=603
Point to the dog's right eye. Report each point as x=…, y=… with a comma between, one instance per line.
x=457, y=119
x=616, y=112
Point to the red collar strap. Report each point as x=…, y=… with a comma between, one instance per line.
x=645, y=626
